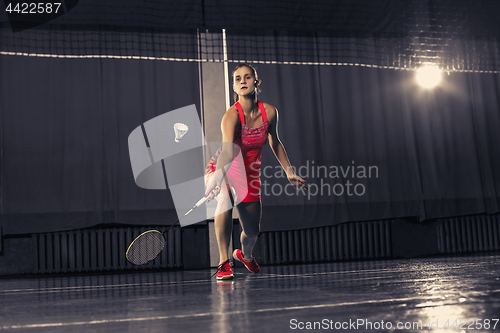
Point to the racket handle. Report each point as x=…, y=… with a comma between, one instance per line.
x=196, y=205
x=201, y=201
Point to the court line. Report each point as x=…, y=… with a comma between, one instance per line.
x=261, y=276
x=206, y=314
x=146, y=284
x=94, y=288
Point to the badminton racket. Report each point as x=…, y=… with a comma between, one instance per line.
x=148, y=245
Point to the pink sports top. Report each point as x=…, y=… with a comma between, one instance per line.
x=251, y=140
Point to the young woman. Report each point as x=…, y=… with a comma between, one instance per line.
x=247, y=125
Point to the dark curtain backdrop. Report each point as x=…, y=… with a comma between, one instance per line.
x=64, y=130
x=436, y=151
x=65, y=123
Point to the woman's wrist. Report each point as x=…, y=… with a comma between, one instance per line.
x=290, y=173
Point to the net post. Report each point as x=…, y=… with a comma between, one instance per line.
x=226, y=69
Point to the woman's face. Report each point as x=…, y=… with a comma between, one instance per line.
x=244, y=81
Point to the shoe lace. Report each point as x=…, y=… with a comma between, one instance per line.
x=223, y=267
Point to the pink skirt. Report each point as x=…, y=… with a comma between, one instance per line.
x=243, y=179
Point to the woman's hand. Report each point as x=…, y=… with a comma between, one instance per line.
x=298, y=182
x=214, y=184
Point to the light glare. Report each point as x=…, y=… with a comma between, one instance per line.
x=428, y=76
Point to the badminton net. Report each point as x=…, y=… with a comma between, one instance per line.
x=457, y=35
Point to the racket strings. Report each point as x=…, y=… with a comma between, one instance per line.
x=146, y=247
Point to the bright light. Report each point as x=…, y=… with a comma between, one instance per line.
x=428, y=76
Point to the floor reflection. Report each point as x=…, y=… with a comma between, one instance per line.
x=443, y=294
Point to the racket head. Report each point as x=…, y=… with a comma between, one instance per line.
x=145, y=247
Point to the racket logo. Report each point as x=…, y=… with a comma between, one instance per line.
x=180, y=130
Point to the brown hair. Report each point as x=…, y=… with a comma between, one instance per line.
x=254, y=72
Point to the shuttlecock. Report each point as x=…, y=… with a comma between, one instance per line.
x=180, y=130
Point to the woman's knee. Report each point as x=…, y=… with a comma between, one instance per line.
x=250, y=229
x=251, y=234
x=224, y=202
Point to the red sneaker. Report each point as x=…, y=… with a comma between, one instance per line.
x=251, y=265
x=225, y=271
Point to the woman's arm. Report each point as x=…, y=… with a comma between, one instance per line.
x=228, y=126
x=278, y=148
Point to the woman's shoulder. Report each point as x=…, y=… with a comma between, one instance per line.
x=271, y=111
x=231, y=115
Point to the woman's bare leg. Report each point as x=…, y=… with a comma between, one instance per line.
x=223, y=230
x=223, y=222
